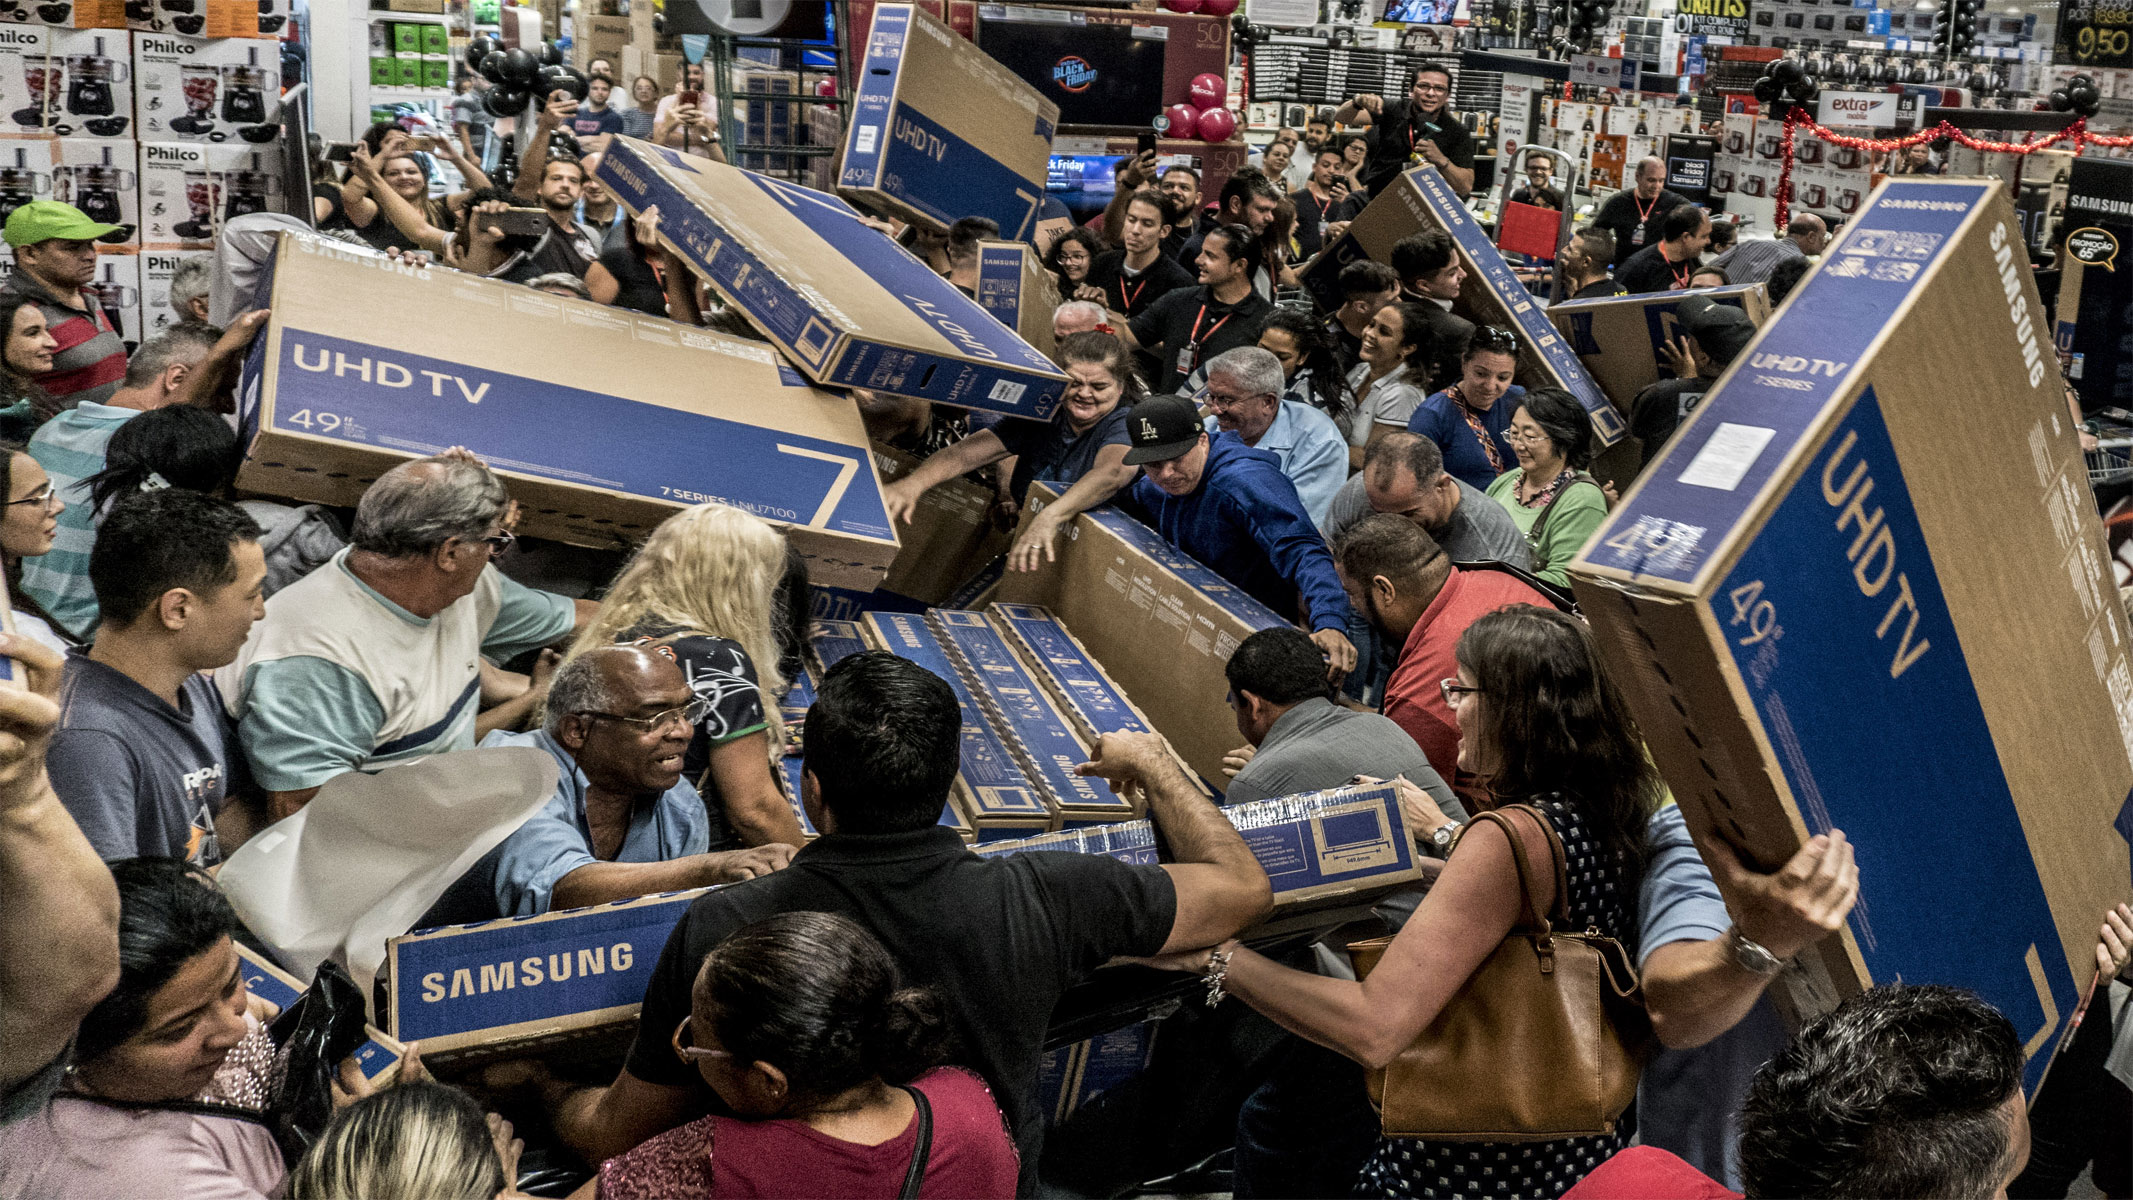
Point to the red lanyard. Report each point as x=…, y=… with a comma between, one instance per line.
x=1644, y=211
x=1682, y=276
x=1193, y=345
x=1127, y=298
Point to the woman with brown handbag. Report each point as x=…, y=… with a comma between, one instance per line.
x=1549, y=733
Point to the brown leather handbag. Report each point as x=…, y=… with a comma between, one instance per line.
x=1544, y=1040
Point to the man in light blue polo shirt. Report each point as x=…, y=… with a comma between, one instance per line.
x=622, y=822
x=375, y=658
x=1244, y=390
x=70, y=448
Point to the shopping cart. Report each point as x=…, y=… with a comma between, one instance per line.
x=2110, y=462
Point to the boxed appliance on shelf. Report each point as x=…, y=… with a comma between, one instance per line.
x=188, y=189
x=99, y=178
x=206, y=89
x=157, y=269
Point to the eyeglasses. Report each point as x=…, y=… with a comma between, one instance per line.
x=686, y=716
x=1515, y=434
x=1433, y=89
x=46, y=496
x=1453, y=689
x=1495, y=337
x=499, y=543
x=691, y=1054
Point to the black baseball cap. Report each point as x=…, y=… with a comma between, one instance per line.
x=1162, y=427
x=1721, y=330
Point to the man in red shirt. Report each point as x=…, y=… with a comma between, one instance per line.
x=55, y=260
x=1403, y=582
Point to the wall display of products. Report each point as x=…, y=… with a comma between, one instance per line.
x=208, y=90
x=1608, y=140
x=158, y=267
x=98, y=177
x=1828, y=180
x=188, y=189
x=65, y=83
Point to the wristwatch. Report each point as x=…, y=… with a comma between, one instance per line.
x=1752, y=958
x=1444, y=836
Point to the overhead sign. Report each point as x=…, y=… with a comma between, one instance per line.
x=1599, y=70
x=2095, y=33
x=1712, y=18
x=1858, y=110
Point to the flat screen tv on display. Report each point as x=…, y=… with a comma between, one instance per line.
x=1421, y=12
x=1085, y=183
x=1100, y=76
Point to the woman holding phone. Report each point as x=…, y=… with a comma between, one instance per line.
x=686, y=120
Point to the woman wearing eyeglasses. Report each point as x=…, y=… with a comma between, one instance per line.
x=1469, y=419
x=703, y=590
x=1550, y=497
x=1540, y=724
x=26, y=531
x=830, y=1068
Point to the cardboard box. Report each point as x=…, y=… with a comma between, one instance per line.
x=68, y=83
x=1073, y=1076
x=941, y=131
x=1070, y=674
x=995, y=795
x=31, y=84
x=2095, y=287
x=950, y=537
x=378, y=1058
x=407, y=72
x=764, y=122
x=367, y=364
x=1622, y=339
x=1819, y=626
x=848, y=305
x=1159, y=623
x=224, y=91
x=188, y=189
x=118, y=290
x=157, y=268
x=498, y=989
x=99, y=178
x=660, y=65
x=1032, y=726
x=68, y=14
x=1421, y=200
x=602, y=37
x=1015, y=287
x=1317, y=847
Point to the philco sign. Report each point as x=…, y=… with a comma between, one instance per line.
x=1859, y=110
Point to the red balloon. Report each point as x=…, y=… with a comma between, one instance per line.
x=1184, y=120
x=1218, y=8
x=1182, y=6
x=1209, y=90
x=1216, y=124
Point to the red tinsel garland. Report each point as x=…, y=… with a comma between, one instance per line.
x=1796, y=118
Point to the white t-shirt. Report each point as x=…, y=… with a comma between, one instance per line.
x=695, y=141
x=1390, y=402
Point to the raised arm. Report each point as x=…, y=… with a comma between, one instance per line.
x=1104, y=479
x=394, y=207
x=979, y=449
x=59, y=944
x=1221, y=888
x=560, y=107
x=601, y=882
x=1133, y=174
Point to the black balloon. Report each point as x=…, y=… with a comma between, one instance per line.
x=478, y=49
x=1802, y=89
x=492, y=67
x=579, y=85
x=504, y=102
x=550, y=54
x=1766, y=90
x=1785, y=70
x=521, y=68
x=2061, y=102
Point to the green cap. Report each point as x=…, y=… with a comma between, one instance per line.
x=43, y=220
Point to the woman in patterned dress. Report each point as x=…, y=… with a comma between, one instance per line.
x=1541, y=724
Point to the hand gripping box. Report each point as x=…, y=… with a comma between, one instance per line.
x=520, y=985
x=848, y=305
x=1865, y=589
x=1015, y=287
x=994, y=794
x=1421, y=200
x=1317, y=847
x=950, y=537
x=1622, y=339
x=1160, y=624
x=379, y=1055
x=941, y=131
x=604, y=422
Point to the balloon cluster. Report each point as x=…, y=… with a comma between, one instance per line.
x=1955, y=27
x=2078, y=95
x=1579, y=21
x=1204, y=118
x=1785, y=82
x=521, y=74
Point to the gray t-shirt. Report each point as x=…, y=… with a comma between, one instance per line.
x=137, y=775
x=1480, y=529
x=1318, y=744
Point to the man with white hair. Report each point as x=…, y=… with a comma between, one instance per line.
x=1075, y=316
x=1244, y=397
x=375, y=658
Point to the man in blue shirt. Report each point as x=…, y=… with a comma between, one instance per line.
x=622, y=822
x=1244, y=388
x=1230, y=507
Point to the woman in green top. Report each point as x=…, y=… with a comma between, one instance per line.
x=1555, y=503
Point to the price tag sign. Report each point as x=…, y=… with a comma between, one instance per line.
x=2095, y=33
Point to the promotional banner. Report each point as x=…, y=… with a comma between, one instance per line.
x=1712, y=18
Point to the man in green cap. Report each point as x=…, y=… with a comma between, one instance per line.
x=55, y=259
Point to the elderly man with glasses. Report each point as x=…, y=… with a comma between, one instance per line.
x=376, y=658
x=1244, y=397
x=622, y=822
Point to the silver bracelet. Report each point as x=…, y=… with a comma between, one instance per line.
x=1216, y=973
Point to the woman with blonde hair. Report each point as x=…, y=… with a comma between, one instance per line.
x=419, y=1139
x=703, y=590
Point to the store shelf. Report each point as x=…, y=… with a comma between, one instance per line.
x=394, y=95
x=380, y=14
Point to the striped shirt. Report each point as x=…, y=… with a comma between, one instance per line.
x=91, y=360
x=70, y=448
x=1754, y=259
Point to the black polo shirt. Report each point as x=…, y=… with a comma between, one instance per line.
x=1312, y=217
x=997, y=939
x=1395, y=133
x=1171, y=321
x=1635, y=223
x=1649, y=271
x=1134, y=294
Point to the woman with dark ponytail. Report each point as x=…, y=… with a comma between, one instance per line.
x=801, y=1025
